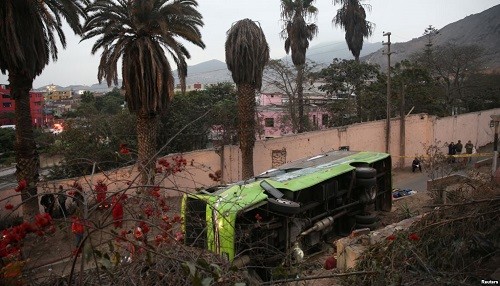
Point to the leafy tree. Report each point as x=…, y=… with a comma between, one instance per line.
x=481, y=92
x=110, y=103
x=282, y=75
x=297, y=34
x=247, y=53
x=183, y=131
x=352, y=18
x=87, y=97
x=430, y=34
x=138, y=32
x=94, y=139
x=7, y=139
x=347, y=79
x=451, y=65
x=414, y=88
x=27, y=43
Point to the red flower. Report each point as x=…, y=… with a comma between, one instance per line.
x=414, y=237
x=155, y=192
x=391, y=237
x=42, y=220
x=9, y=206
x=176, y=218
x=148, y=210
x=101, y=190
x=144, y=226
x=330, y=263
x=21, y=185
x=165, y=218
x=138, y=233
x=159, y=239
x=123, y=149
x=117, y=213
x=179, y=236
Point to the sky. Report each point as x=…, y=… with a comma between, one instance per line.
x=405, y=19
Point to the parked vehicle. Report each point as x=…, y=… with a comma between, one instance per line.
x=285, y=214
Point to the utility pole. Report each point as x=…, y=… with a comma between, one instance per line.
x=388, y=121
x=495, y=120
x=402, y=128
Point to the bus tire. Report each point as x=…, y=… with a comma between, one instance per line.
x=365, y=172
x=283, y=206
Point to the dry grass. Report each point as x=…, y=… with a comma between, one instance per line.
x=453, y=244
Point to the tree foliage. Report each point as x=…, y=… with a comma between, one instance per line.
x=139, y=33
x=347, y=81
x=352, y=18
x=247, y=53
x=297, y=34
x=216, y=106
x=281, y=75
x=451, y=65
x=27, y=43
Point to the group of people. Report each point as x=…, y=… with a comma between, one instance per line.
x=48, y=201
x=453, y=150
x=457, y=149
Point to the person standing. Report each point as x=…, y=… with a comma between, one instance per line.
x=468, y=150
x=451, y=152
x=458, y=147
x=48, y=201
x=78, y=229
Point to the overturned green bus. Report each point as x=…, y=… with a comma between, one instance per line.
x=286, y=213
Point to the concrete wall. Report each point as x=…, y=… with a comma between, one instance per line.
x=421, y=130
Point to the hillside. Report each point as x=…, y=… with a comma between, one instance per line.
x=482, y=29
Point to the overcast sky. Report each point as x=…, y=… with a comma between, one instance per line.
x=405, y=19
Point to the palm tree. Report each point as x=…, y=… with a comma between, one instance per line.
x=297, y=34
x=140, y=32
x=352, y=18
x=247, y=53
x=27, y=43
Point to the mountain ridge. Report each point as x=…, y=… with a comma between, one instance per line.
x=482, y=29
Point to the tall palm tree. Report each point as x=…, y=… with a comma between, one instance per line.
x=352, y=18
x=140, y=32
x=297, y=34
x=27, y=43
x=247, y=53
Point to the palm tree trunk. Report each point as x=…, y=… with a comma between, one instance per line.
x=147, y=126
x=300, y=97
x=246, y=130
x=27, y=158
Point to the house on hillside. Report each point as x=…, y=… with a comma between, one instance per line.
x=37, y=103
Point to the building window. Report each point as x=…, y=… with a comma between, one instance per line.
x=324, y=119
x=38, y=103
x=269, y=122
x=315, y=120
x=4, y=95
x=7, y=104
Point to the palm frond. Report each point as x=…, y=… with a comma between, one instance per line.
x=142, y=33
x=247, y=52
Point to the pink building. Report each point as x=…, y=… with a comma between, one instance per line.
x=274, y=118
